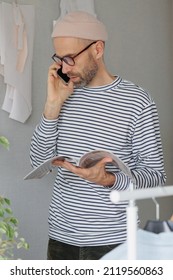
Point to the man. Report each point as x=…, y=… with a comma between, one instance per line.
x=95, y=110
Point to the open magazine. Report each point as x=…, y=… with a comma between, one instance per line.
x=86, y=161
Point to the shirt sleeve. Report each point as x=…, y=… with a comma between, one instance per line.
x=44, y=141
x=147, y=165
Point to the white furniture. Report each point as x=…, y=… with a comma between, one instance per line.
x=132, y=195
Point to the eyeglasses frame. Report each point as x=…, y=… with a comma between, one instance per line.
x=62, y=59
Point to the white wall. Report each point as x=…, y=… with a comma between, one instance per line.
x=139, y=49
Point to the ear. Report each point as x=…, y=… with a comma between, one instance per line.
x=99, y=49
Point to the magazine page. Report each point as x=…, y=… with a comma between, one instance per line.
x=43, y=169
x=86, y=161
x=91, y=158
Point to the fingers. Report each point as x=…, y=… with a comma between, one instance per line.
x=54, y=77
x=67, y=165
x=96, y=173
x=53, y=70
x=54, y=66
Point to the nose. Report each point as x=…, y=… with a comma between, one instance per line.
x=65, y=67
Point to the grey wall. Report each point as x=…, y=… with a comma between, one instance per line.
x=139, y=49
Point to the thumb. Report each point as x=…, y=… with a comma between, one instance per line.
x=104, y=161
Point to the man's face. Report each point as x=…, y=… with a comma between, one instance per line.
x=85, y=67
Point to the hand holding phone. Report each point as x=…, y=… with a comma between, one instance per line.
x=63, y=76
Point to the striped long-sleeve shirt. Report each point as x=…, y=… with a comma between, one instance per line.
x=120, y=117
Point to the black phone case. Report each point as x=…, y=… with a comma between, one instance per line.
x=63, y=76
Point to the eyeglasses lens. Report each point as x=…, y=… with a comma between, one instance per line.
x=68, y=60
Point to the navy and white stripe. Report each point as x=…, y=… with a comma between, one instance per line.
x=120, y=117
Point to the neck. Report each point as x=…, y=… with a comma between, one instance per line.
x=103, y=77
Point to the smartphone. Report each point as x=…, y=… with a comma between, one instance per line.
x=63, y=76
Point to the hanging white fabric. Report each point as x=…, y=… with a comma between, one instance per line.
x=16, y=52
x=67, y=6
x=1, y=43
x=20, y=37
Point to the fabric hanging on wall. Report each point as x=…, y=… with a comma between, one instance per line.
x=1, y=63
x=16, y=52
x=67, y=6
x=20, y=38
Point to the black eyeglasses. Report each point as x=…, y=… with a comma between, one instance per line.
x=68, y=59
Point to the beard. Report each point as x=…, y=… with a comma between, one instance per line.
x=87, y=74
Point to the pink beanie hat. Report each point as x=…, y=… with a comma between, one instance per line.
x=80, y=24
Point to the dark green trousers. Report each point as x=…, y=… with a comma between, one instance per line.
x=61, y=251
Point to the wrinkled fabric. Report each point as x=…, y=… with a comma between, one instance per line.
x=150, y=246
x=16, y=52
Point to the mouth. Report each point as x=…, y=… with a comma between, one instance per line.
x=73, y=78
